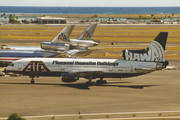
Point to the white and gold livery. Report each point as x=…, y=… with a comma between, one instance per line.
x=135, y=63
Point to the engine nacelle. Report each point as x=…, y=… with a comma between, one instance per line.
x=54, y=46
x=69, y=77
x=82, y=43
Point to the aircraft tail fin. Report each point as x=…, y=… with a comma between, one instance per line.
x=154, y=52
x=64, y=35
x=88, y=32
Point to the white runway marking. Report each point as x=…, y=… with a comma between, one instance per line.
x=116, y=113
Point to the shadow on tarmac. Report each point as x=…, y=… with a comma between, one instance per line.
x=85, y=86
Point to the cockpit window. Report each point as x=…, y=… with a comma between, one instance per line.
x=12, y=65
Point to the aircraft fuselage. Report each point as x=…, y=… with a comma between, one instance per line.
x=110, y=68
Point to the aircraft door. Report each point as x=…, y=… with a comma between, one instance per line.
x=63, y=67
x=131, y=68
x=19, y=65
x=111, y=68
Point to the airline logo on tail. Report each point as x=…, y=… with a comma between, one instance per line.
x=64, y=34
x=62, y=37
x=86, y=34
x=154, y=52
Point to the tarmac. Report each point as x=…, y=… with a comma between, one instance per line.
x=157, y=91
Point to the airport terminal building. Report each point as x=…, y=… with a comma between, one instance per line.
x=51, y=20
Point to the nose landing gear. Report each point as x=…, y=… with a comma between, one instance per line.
x=32, y=79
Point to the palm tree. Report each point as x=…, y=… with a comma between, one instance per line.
x=152, y=15
x=2, y=15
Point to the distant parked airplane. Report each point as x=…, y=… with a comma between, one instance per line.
x=60, y=44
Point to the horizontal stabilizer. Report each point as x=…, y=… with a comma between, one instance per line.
x=83, y=53
x=74, y=53
x=60, y=55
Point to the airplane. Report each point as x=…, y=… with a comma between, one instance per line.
x=84, y=40
x=62, y=36
x=135, y=63
x=59, y=45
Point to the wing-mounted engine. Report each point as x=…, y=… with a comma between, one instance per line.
x=69, y=77
x=55, y=46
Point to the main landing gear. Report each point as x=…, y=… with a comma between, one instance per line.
x=90, y=81
x=99, y=82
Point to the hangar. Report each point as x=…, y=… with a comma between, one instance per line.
x=51, y=20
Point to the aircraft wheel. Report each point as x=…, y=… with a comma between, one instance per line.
x=32, y=81
x=98, y=82
x=101, y=81
x=104, y=81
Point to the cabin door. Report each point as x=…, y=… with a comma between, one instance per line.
x=19, y=65
x=111, y=68
x=131, y=68
x=63, y=67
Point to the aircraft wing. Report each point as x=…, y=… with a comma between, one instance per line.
x=60, y=55
x=74, y=53
x=85, y=73
x=83, y=53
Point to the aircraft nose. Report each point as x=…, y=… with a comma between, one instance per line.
x=95, y=43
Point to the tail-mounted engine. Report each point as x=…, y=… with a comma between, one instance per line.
x=55, y=46
x=69, y=77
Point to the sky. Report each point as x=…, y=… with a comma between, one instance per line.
x=92, y=3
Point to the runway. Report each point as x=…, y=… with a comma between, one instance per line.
x=158, y=91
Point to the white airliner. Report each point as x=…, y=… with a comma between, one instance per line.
x=135, y=63
x=60, y=44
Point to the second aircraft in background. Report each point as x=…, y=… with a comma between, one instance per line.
x=60, y=46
